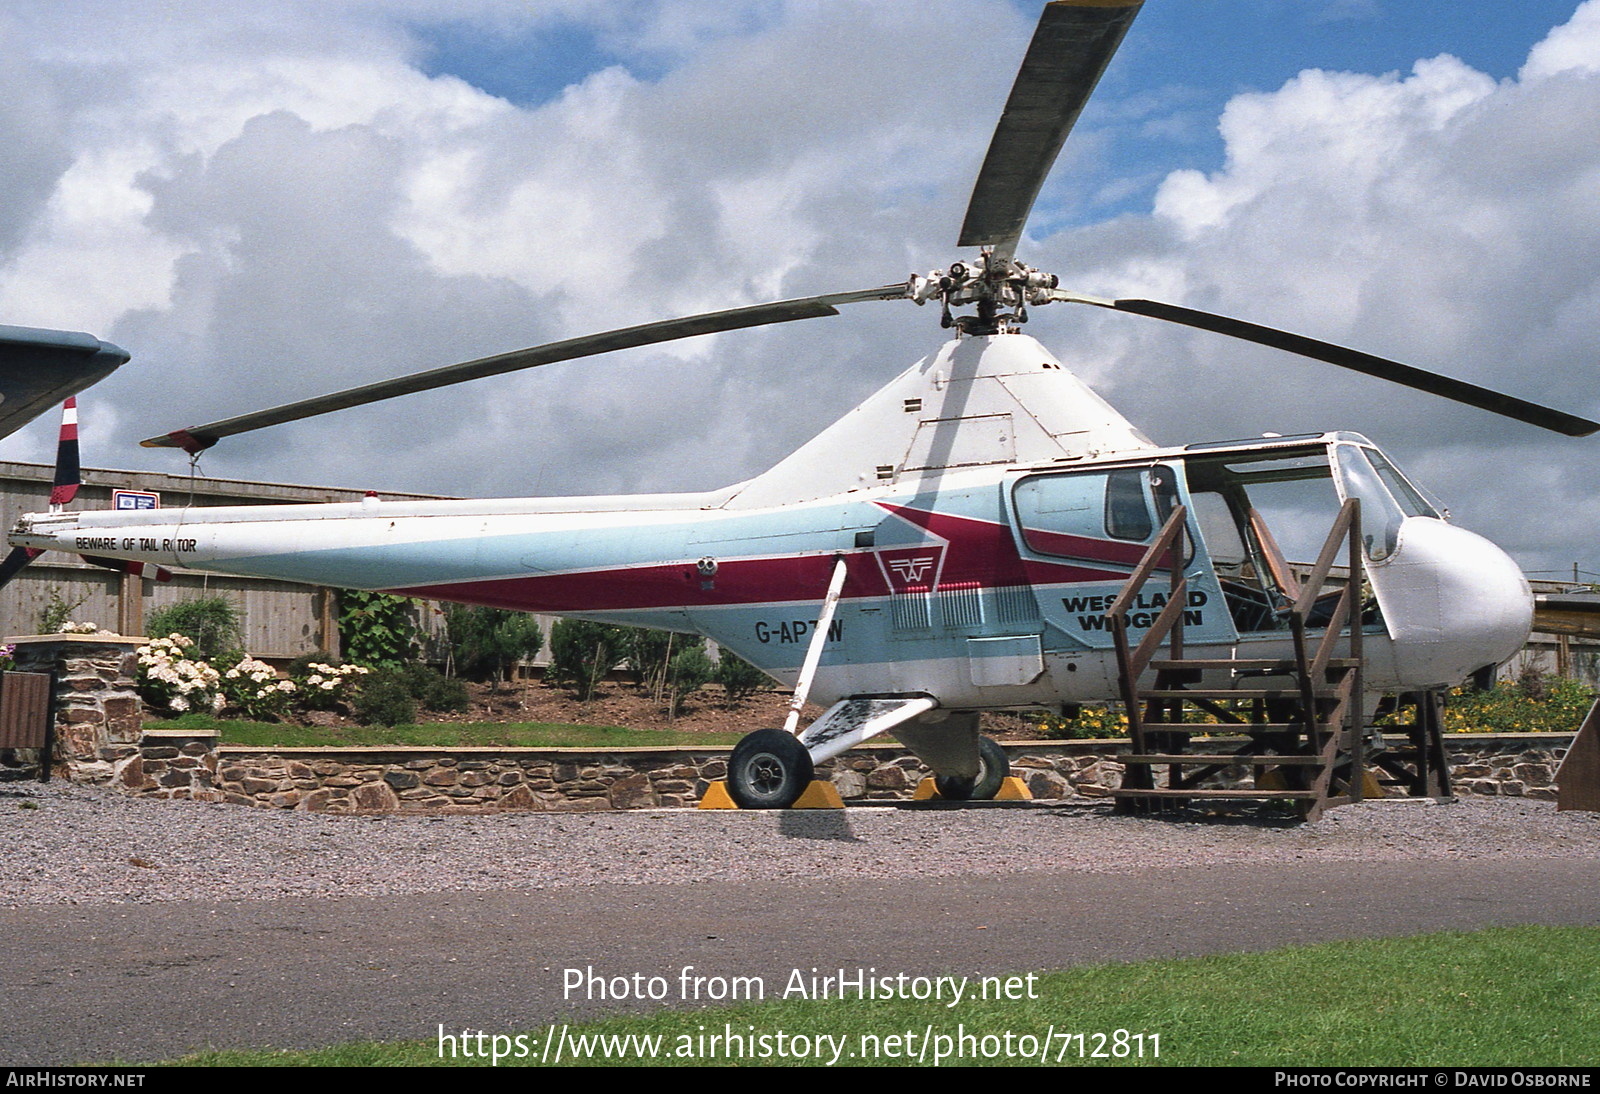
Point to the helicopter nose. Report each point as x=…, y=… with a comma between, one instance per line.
x=1453, y=602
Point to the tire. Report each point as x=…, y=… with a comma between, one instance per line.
x=769, y=769
x=993, y=767
x=954, y=788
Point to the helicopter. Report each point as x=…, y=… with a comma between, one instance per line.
x=957, y=543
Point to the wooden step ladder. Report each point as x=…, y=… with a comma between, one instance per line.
x=1283, y=730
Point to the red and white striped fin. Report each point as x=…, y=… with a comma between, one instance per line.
x=68, y=475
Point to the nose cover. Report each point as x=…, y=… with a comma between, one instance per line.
x=1453, y=602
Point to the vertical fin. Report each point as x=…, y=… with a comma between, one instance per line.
x=68, y=475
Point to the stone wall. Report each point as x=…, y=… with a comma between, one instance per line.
x=477, y=780
x=1511, y=764
x=99, y=739
x=99, y=718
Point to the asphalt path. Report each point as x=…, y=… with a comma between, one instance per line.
x=151, y=982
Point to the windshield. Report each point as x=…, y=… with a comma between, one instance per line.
x=1387, y=497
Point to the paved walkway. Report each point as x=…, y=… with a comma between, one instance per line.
x=149, y=982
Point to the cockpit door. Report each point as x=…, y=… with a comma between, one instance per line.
x=1082, y=533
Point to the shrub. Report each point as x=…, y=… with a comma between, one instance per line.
x=688, y=672
x=171, y=677
x=1094, y=721
x=253, y=689
x=324, y=687
x=301, y=665
x=1532, y=703
x=582, y=653
x=648, y=652
x=739, y=678
x=384, y=700
x=58, y=611
x=486, y=643
x=212, y=621
x=377, y=629
x=431, y=688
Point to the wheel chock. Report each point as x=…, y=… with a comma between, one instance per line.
x=1371, y=788
x=1013, y=789
x=716, y=797
x=821, y=794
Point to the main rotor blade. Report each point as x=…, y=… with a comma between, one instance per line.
x=197, y=438
x=40, y=368
x=1460, y=391
x=1070, y=49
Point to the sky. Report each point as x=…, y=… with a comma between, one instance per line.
x=263, y=201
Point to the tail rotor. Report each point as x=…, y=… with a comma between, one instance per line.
x=63, y=490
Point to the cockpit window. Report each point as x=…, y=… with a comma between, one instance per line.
x=1127, y=511
x=1409, y=498
x=1264, y=515
x=1386, y=497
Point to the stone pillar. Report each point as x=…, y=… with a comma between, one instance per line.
x=98, y=713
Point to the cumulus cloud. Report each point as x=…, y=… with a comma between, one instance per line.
x=1437, y=217
x=264, y=202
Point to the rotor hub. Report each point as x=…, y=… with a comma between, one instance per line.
x=999, y=288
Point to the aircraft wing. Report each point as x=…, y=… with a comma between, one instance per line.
x=40, y=368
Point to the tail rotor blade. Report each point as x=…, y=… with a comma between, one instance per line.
x=64, y=488
x=15, y=561
x=130, y=566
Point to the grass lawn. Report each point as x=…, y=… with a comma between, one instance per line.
x=1520, y=996
x=442, y=734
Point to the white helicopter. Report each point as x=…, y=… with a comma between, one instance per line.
x=955, y=544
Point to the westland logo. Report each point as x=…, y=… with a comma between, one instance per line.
x=910, y=568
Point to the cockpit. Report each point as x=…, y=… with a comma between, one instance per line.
x=1259, y=513
x=1263, y=515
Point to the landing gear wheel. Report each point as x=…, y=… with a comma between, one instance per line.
x=954, y=788
x=993, y=767
x=769, y=769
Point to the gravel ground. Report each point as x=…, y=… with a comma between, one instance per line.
x=81, y=845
